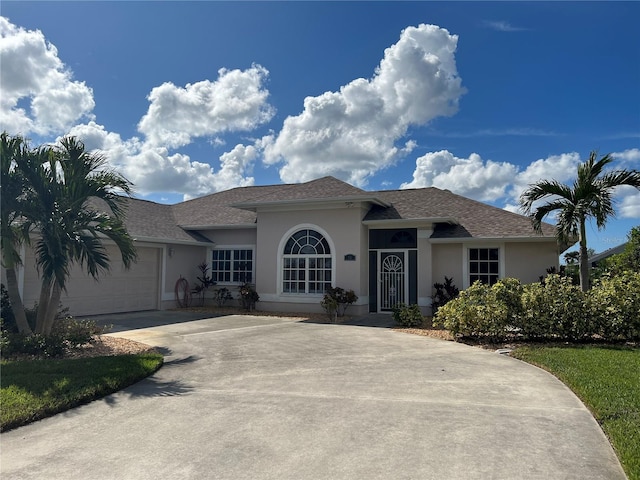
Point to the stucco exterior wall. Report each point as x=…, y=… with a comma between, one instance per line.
x=529, y=261
x=425, y=270
x=344, y=232
x=447, y=261
x=180, y=261
x=240, y=236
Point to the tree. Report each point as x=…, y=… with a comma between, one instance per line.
x=11, y=187
x=572, y=257
x=629, y=259
x=71, y=202
x=590, y=197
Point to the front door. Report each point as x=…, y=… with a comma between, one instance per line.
x=393, y=279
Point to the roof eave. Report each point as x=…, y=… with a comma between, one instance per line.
x=253, y=206
x=174, y=241
x=519, y=238
x=407, y=221
x=222, y=226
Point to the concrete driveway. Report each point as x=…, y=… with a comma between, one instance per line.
x=246, y=397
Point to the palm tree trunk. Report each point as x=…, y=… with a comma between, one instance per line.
x=16, y=302
x=52, y=309
x=584, y=262
x=43, y=305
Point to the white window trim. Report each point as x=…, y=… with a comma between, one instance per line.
x=311, y=297
x=234, y=247
x=465, y=260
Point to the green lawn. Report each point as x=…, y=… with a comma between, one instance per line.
x=34, y=389
x=607, y=380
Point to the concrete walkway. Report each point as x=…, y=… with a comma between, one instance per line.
x=245, y=397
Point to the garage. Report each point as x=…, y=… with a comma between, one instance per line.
x=120, y=290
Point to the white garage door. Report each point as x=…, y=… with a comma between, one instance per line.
x=120, y=290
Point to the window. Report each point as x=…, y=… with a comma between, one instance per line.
x=484, y=265
x=232, y=265
x=306, y=263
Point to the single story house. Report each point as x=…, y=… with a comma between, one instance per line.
x=292, y=241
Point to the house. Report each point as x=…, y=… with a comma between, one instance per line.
x=595, y=259
x=293, y=241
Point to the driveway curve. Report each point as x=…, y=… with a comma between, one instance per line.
x=246, y=397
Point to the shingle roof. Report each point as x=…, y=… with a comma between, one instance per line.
x=150, y=220
x=472, y=219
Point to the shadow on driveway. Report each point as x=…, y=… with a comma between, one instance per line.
x=379, y=320
x=120, y=322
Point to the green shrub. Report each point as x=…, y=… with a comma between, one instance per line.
x=555, y=308
x=343, y=298
x=483, y=311
x=67, y=335
x=615, y=303
x=408, y=315
x=330, y=305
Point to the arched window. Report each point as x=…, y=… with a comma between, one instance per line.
x=306, y=263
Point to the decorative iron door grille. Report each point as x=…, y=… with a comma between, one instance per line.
x=392, y=280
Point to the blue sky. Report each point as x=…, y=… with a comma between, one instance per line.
x=188, y=98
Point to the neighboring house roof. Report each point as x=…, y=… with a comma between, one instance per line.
x=454, y=216
x=594, y=259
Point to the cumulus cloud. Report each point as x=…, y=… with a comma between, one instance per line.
x=471, y=177
x=631, y=156
x=504, y=182
x=33, y=74
x=353, y=133
x=236, y=101
x=155, y=169
x=629, y=202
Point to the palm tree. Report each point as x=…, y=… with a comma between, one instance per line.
x=67, y=194
x=572, y=257
x=591, y=196
x=12, y=238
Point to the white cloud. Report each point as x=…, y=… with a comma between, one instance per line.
x=498, y=182
x=562, y=168
x=154, y=169
x=630, y=202
x=470, y=177
x=236, y=101
x=352, y=133
x=631, y=155
x=31, y=71
x=503, y=26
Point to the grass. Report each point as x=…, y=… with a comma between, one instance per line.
x=35, y=389
x=607, y=380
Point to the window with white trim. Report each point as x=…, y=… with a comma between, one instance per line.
x=229, y=265
x=484, y=265
x=306, y=263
